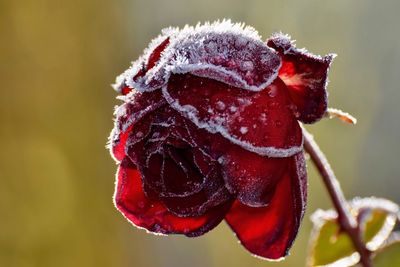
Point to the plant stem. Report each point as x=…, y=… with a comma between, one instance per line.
x=347, y=222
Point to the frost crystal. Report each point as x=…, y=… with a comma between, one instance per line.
x=244, y=130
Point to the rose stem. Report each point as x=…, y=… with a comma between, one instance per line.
x=345, y=219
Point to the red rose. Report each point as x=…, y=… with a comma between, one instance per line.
x=209, y=131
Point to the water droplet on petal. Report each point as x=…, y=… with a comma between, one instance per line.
x=141, y=204
x=263, y=117
x=220, y=105
x=232, y=109
x=273, y=90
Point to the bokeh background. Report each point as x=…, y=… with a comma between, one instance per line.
x=57, y=60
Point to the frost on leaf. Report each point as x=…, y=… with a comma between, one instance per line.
x=333, y=247
x=226, y=52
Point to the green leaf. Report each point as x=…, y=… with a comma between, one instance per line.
x=376, y=218
x=389, y=256
x=374, y=224
x=329, y=244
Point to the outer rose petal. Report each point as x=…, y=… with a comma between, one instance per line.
x=261, y=122
x=251, y=177
x=305, y=75
x=223, y=51
x=152, y=215
x=136, y=107
x=269, y=231
x=140, y=67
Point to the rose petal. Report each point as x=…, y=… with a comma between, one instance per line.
x=260, y=122
x=250, y=177
x=223, y=51
x=180, y=175
x=212, y=193
x=187, y=180
x=129, y=120
x=269, y=231
x=306, y=76
x=152, y=215
x=150, y=57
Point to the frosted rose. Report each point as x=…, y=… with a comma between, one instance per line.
x=209, y=131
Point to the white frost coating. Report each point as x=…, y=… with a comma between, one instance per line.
x=215, y=126
x=231, y=53
x=288, y=45
x=301, y=171
x=119, y=83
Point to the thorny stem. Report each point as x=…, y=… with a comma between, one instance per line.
x=345, y=219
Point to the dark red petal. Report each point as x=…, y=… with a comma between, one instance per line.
x=305, y=75
x=212, y=193
x=181, y=175
x=152, y=54
x=117, y=141
x=251, y=177
x=176, y=173
x=261, y=122
x=152, y=215
x=223, y=51
x=269, y=231
x=156, y=54
x=129, y=120
x=231, y=58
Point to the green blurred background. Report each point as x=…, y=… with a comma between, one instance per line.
x=57, y=60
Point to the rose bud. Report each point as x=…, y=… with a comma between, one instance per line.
x=209, y=130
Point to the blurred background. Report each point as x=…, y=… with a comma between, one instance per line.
x=57, y=61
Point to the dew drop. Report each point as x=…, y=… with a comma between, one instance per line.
x=273, y=91
x=220, y=105
x=263, y=117
x=232, y=109
x=278, y=123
